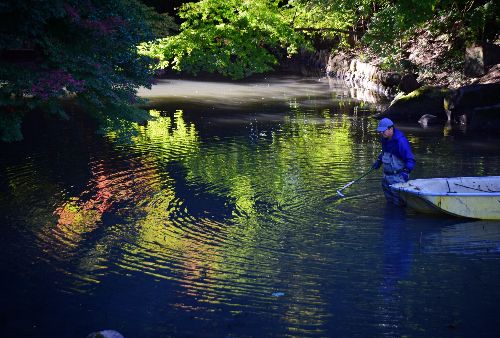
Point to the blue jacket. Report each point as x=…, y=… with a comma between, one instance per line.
x=398, y=145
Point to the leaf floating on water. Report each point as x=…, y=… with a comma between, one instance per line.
x=105, y=334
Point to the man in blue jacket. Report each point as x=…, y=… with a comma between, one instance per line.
x=396, y=158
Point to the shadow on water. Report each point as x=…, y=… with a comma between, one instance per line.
x=414, y=250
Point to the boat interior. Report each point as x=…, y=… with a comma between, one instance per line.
x=486, y=184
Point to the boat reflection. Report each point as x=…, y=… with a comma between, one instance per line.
x=479, y=237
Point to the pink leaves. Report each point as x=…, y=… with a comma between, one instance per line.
x=72, y=12
x=103, y=26
x=54, y=83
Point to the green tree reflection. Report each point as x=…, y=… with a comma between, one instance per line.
x=239, y=256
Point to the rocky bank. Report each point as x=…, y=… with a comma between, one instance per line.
x=433, y=91
x=468, y=98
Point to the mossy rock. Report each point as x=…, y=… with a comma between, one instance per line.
x=412, y=106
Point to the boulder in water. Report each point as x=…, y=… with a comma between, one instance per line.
x=411, y=107
x=426, y=119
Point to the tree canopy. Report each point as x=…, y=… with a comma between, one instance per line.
x=84, y=49
x=99, y=52
x=240, y=38
x=234, y=38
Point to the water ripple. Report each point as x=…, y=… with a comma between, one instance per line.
x=231, y=225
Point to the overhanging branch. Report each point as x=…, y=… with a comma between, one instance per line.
x=311, y=29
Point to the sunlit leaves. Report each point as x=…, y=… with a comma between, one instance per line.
x=171, y=133
x=232, y=38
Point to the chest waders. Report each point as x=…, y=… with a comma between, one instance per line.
x=393, y=167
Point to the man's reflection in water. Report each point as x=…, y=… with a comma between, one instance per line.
x=397, y=258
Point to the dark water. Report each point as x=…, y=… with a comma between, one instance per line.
x=220, y=219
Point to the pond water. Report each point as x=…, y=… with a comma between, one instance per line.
x=220, y=218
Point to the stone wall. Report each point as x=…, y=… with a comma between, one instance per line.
x=479, y=58
x=369, y=76
x=476, y=105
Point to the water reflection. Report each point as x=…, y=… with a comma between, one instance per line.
x=467, y=238
x=398, y=252
x=208, y=215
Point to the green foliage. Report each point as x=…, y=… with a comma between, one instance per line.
x=233, y=38
x=87, y=50
x=480, y=23
x=161, y=24
x=322, y=14
x=10, y=125
x=82, y=49
x=392, y=25
x=240, y=38
x=330, y=18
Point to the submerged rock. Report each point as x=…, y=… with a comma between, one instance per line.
x=426, y=120
x=105, y=334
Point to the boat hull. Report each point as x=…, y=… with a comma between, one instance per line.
x=472, y=197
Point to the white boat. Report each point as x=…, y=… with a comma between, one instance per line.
x=473, y=197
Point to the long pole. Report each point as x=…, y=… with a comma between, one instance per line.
x=354, y=181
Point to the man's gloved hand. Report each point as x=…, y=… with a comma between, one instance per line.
x=405, y=174
x=376, y=164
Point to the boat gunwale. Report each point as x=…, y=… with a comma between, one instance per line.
x=413, y=191
x=458, y=194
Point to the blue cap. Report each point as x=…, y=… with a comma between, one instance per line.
x=384, y=124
